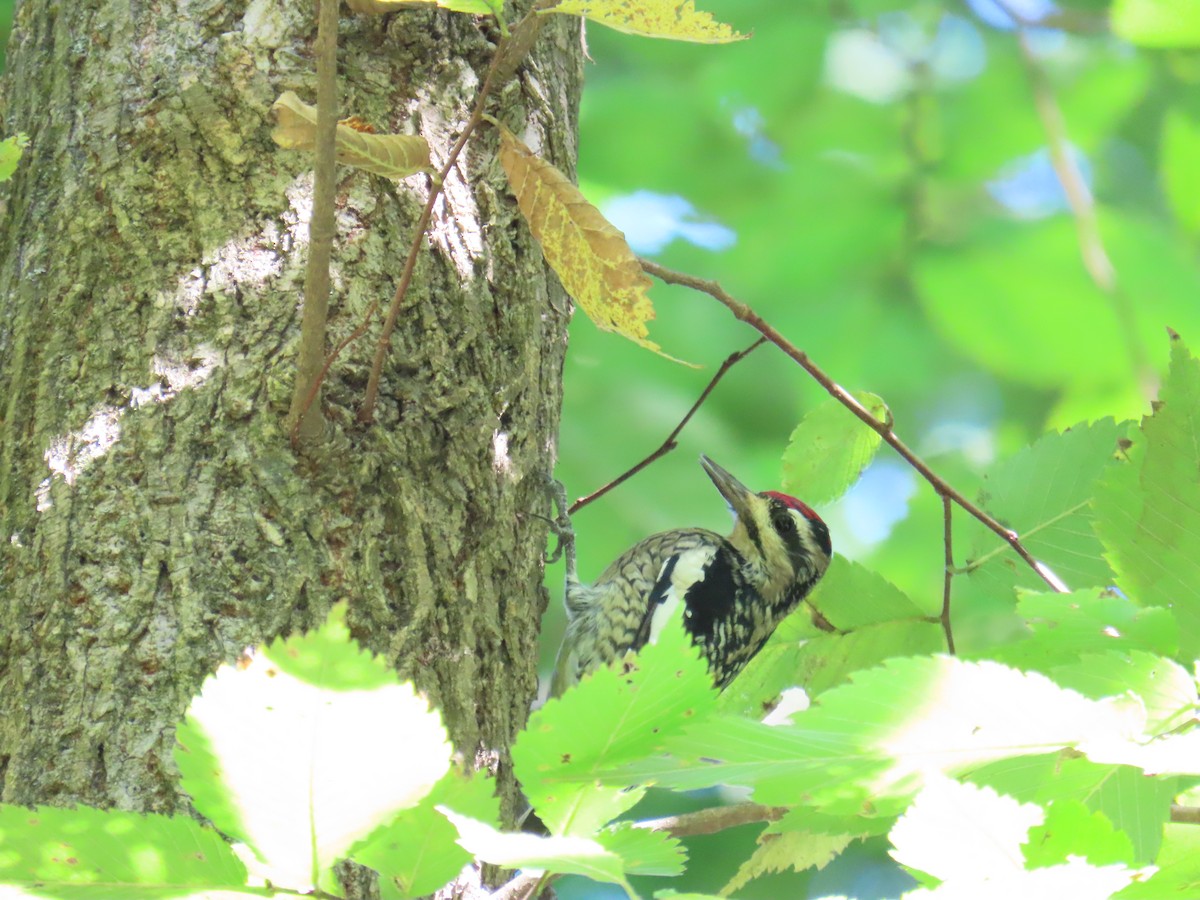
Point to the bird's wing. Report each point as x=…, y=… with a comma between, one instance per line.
x=679, y=578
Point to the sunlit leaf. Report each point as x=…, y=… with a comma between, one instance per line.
x=1071, y=829
x=379, y=7
x=970, y=838
x=304, y=748
x=1148, y=509
x=1044, y=494
x=794, y=850
x=1166, y=689
x=879, y=736
x=390, y=155
x=418, y=851
x=589, y=255
x=613, y=716
x=1064, y=627
x=567, y=855
x=829, y=449
x=1157, y=23
x=678, y=20
x=1137, y=805
x=10, y=154
x=642, y=851
x=112, y=853
x=1178, y=864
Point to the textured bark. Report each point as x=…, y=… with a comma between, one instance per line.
x=155, y=520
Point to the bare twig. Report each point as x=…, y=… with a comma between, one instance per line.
x=308, y=423
x=710, y=821
x=367, y=412
x=949, y=576
x=1095, y=257
x=883, y=428
x=508, y=55
x=1185, y=815
x=516, y=889
x=669, y=444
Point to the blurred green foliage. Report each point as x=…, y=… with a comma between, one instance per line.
x=884, y=171
x=867, y=228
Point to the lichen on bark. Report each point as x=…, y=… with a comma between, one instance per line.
x=155, y=520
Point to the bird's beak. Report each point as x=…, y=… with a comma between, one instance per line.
x=735, y=493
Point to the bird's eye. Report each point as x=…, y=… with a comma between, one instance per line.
x=783, y=523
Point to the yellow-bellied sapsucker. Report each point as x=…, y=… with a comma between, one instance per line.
x=734, y=589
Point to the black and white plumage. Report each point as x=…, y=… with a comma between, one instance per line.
x=735, y=590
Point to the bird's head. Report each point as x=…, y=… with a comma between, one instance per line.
x=784, y=542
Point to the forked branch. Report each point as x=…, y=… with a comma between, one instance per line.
x=881, y=427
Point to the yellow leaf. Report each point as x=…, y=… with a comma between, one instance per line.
x=390, y=155
x=586, y=251
x=379, y=7
x=677, y=20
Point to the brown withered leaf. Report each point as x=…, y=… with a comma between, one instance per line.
x=358, y=124
x=669, y=19
x=589, y=255
x=390, y=155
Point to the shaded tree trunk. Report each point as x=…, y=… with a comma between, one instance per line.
x=155, y=520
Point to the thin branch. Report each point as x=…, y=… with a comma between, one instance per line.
x=1096, y=260
x=1185, y=815
x=516, y=889
x=949, y=575
x=710, y=821
x=367, y=412
x=308, y=422
x=883, y=428
x=508, y=56
x=491, y=80
x=669, y=444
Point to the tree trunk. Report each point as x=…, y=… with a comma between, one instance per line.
x=155, y=519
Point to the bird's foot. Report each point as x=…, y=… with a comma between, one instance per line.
x=561, y=526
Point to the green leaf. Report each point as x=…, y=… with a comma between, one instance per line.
x=565, y=855
x=1166, y=689
x=970, y=838
x=417, y=852
x=1071, y=829
x=1065, y=627
x=1148, y=509
x=49, y=852
x=1157, y=23
x=1178, y=864
x=852, y=596
x=879, y=619
x=10, y=154
x=674, y=19
x=1043, y=493
x=474, y=7
x=644, y=852
x=1137, y=805
x=791, y=850
x=960, y=833
x=878, y=737
x=617, y=714
x=830, y=448
x=1180, y=165
x=301, y=759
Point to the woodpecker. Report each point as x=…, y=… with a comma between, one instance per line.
x=734, y=589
